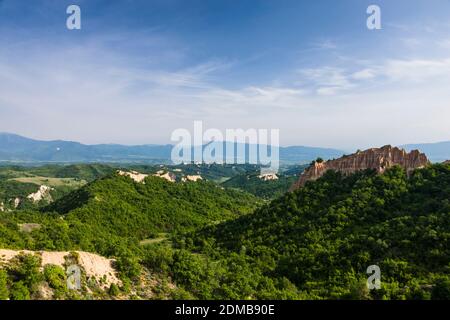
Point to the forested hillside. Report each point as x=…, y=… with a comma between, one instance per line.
x=254, y=184
x=115, y=208
x=120, y=218
x=201, y=241
x=17, y=183
x=323, y=236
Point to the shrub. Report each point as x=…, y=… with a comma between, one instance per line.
x=4, y=291
x=441, y=289
x=26, y=269
x=114, y=290
x=128, y=266
x=19, y=291
x=55, y=276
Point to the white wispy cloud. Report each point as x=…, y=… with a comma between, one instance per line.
x=416, y=70
x=328, y=80
x=364, y=74
x=94, y=94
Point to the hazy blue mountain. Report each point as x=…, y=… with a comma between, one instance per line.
x=15, y=148
x=436, y=152
x=300, y=154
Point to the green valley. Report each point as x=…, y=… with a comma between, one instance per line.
x=213, y=240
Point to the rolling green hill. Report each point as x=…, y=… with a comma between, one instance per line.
x=211, y=243
x=116, y=209
x=323, y=236
x=17, y=182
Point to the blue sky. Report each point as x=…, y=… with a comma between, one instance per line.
x=137, y=70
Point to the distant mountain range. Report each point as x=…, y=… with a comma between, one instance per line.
x=18, y=149
x=15, y=148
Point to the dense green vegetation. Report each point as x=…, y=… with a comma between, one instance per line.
x=324, y=236
x=88, y=172
x=253, y=184
x=203, y=241
x=17, y=182
x=112, y=215
x=116, y=209
x=211, y=172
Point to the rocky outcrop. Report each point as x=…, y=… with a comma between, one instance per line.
x=169, y=176
x=379, y=159
x=134, y=175
x=447, y=162
x=191, y=178
x=16, y=202
x=268, y=176
x=42, y=194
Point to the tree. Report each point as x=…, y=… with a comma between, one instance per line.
x=26, y=269
x=55, y=276
x=19, y=291
x=114, y=290
x=4, y=291
x=128, y=265
x=441, y=289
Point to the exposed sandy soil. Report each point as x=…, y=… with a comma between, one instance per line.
x=192, y=178
x=98, y=266
x=94, y=265
x=136, y=176
x=29, y=227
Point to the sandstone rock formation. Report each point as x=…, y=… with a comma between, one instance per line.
x=42, y=194
x=169, y=176
x=191, y=178
x=268, y=176
x=136, y=176
x=16, y=202
x=379, y=159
